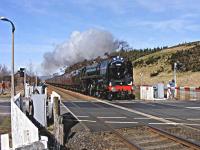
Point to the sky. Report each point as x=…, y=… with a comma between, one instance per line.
x=41, y=25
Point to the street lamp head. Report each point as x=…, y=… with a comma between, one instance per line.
x=5, y=19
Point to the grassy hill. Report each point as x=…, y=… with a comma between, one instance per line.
x=158, y=66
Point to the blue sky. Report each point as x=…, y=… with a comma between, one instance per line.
x=42, y=24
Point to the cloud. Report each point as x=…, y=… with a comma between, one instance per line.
x=166, y=5
x=177, y=25
x=81, y=45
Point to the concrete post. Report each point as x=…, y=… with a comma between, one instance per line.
x=5, y=142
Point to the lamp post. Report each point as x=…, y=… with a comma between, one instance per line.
x=12, y=75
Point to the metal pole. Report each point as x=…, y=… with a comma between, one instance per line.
x=36, y=79
x=24, y=82
x=12, y=76
x=133, y=74
x=175, y=65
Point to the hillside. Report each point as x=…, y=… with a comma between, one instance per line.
x=158, y=66
x=131, y=54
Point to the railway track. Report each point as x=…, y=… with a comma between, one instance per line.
x=143, y=137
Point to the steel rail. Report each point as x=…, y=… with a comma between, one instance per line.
x=175, y=138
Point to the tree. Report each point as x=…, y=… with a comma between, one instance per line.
x=4, y=71
x=29, y=70
x=124, y=46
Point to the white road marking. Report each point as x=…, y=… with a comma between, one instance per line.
x=80, y=101
x=161, y=123
x=111, y=117
x=150, y=104
x=142, y=118
x=82, y=116
x=70, y=111
x=193, y=119
x=4, y=106
x=86, y=128
x=87, y=120
x=4, y=113
x=173, y=118
x=168, y=104
x=120, y=122
x=196, y=108
x=61, y=106
x=164, y=123
x=124, y=102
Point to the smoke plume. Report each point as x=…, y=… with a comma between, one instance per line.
x=80, y=46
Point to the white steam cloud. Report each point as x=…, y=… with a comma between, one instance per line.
x=80, y=46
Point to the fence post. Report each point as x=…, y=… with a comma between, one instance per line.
x=58, y=125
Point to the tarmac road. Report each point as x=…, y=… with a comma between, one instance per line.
x=181, y=112
x=4, y=108
x=121, y=114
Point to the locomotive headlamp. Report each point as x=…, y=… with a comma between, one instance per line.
x=130, y=83
x=113, y=89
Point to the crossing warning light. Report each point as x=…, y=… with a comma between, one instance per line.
x=21, y=72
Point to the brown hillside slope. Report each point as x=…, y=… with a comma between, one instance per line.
x=158, y=67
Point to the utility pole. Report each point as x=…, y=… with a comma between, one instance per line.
x=175, y=68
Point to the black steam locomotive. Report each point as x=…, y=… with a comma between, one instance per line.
x=110, y=78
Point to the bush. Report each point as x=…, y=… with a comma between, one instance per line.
x=190, y=59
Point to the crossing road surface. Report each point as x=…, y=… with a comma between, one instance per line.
x=131, y=113
x=4, y=108
x=182, y=112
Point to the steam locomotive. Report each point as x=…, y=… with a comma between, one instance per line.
x=111, y=78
